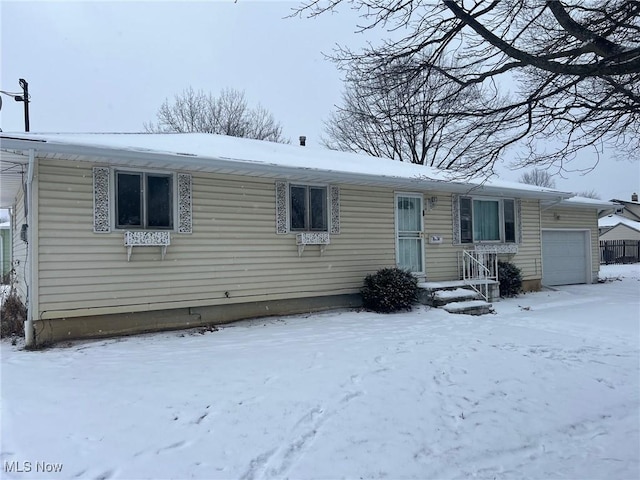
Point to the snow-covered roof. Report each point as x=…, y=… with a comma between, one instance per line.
x=587, y=202
x=218, y=153
x=613, y=220
x=625, y=202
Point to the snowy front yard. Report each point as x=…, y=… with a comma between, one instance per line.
x=548, y=387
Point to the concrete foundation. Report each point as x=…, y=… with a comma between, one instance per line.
x=532, y=285
x=60, y=329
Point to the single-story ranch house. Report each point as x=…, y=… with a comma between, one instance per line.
x=124, y=233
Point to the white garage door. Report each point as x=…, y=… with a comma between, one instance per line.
x=564, y=257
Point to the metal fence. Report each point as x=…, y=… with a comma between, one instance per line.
x=619, y=251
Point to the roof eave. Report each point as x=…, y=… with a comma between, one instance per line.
x=217, y=164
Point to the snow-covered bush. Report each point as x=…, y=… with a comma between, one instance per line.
x=510, y=279
x=389, y=290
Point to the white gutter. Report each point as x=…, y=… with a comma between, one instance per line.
x=28, y=326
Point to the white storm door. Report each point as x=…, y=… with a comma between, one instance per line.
x=409, y=236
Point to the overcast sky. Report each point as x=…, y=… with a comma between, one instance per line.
x=107, y=67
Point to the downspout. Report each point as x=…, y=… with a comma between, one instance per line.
x=1, y=255
x=603, y=212
x=540, y=244
x=551, y=205
x=28, y=327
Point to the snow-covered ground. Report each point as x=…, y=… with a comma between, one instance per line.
x=546, y=388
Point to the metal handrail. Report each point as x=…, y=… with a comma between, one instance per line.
x=478, y=269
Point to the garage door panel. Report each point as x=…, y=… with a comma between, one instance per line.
x=564, y=257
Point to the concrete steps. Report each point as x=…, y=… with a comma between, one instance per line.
x=470, y=307
x=440, y=298
x=453, y=297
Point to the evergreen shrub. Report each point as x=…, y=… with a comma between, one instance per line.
x=389, y=290
x=510, y=279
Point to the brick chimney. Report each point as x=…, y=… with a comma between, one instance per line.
x=634, y=197
x=303, y=140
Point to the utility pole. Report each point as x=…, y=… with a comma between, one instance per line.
x=25, y=99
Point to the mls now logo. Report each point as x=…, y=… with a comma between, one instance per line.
x=26, y=467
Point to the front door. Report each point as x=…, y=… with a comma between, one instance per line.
x=409, y=236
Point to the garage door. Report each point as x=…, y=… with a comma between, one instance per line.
x=564, y=257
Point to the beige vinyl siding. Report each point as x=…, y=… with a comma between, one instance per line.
x=576, y=219
x=529, y=256
x=621, y=232
x=19, y=246
x=441, y=260
x=233, y=255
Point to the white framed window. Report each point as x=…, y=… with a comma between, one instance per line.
x=308, y=208
x=482, y=219
x=128, y=199
x=143, y=200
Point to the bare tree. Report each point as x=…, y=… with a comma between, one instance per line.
x=564, y=70
x=538, y=177
x=228, y=114
x=589, y=194
x=401, y=115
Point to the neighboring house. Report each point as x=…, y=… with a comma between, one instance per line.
x=619, y=239
x=617, y=227
x=5, y=249
x=122, y=233
x=630, y=209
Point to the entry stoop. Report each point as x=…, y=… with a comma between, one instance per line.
x=470, y=307
x=454, y=297
x=440, y=298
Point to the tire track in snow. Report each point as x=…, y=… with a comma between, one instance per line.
x=276, y=462
x=257, y=465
